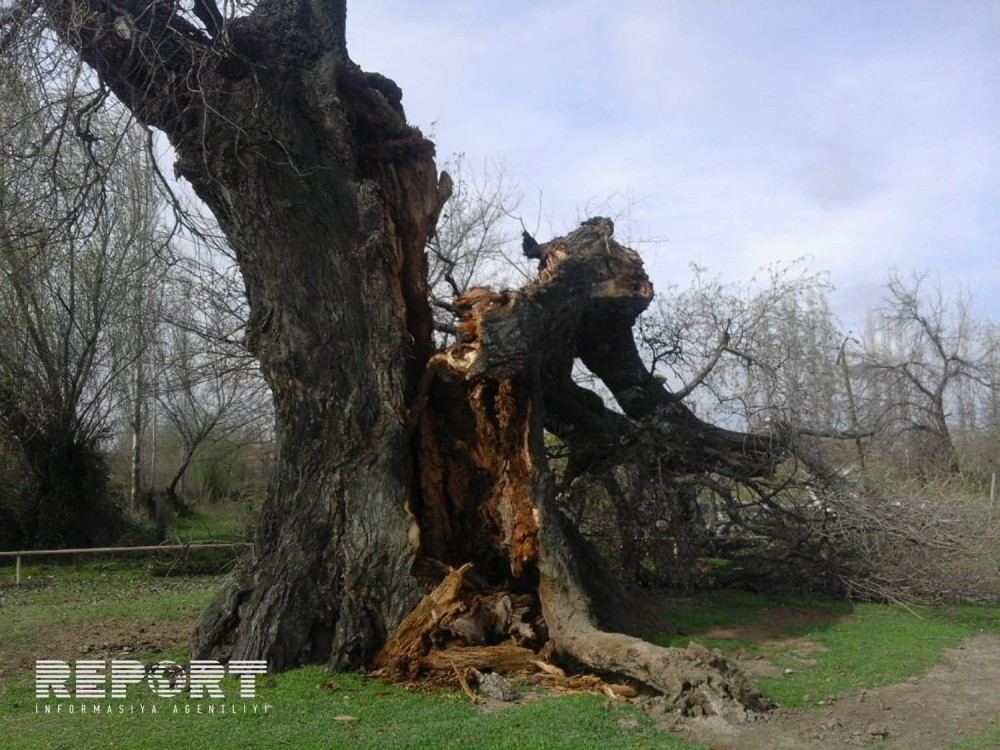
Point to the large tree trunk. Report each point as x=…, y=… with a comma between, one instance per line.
x=327, y=197
x=387, y=456
x=329, y=211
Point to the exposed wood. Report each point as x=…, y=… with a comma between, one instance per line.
x=463, y=683
x=487, y=495
x=505, y=659
x=461, y=624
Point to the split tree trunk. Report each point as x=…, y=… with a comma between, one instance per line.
x=486, y=494
x=387, y=457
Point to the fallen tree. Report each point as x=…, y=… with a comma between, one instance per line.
x=400, y=470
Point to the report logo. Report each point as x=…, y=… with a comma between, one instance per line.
x=99, y=679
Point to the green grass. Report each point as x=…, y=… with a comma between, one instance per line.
x=701, y=613
x=211, y=521
x=877, y=645
x=66, y=597
x=988, y=740
x=306, y=706
x=63, y=592
x=305, y=713
x=857, y=647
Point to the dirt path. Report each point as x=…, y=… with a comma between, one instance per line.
x=950, y=702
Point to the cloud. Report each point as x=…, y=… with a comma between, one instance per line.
x=839, y=175
x=862, y=134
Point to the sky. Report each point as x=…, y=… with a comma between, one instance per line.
x=863, y=135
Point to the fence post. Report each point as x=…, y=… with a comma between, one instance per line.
x=17, y=570
x=993, y=496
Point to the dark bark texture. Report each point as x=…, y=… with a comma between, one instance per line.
x=397, y=468
x=327, y=197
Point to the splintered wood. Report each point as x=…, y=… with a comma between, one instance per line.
x=462, y=624
x=458, y=632
x=515, y=584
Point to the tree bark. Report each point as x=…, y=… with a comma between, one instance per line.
x=136, y=427
x=388, y=457
x=327, y=197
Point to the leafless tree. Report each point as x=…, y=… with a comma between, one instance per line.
x=751, y=353
x=476, y=241
x=74, y=213
x=929, y=356
x=206, y=395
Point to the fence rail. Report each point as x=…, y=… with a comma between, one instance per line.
x=18, y=554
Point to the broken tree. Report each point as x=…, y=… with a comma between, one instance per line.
x=486, y=498
x=395, y=467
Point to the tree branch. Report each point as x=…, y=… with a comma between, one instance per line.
x=699, y=378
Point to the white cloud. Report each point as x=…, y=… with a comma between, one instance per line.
x=863, y=134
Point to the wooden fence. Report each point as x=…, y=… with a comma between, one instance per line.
x=17, y=555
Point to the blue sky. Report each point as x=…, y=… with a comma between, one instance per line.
x=863, y=133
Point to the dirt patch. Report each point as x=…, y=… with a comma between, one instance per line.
x=774, y=622
x=770, y=635
x=796, y=650
x=110, y=639
x=950, y=702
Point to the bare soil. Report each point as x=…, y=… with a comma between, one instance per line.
x=952, y=701
x=110, y=639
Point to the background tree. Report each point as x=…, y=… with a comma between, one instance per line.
x=929, y=357
x=207, y=398
x=750, y=353
x=74, y=209
x=145, y=318
x=476, y=241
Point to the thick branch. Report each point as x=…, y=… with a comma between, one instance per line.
x=584, y=303
x=151, y=57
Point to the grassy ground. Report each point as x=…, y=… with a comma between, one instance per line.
x=988, y=740
x=212, y=522
x=827, y=647
x=63, y=611
x=308, y=709
x=118, y=609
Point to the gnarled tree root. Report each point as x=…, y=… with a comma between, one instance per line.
x=693, y=680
